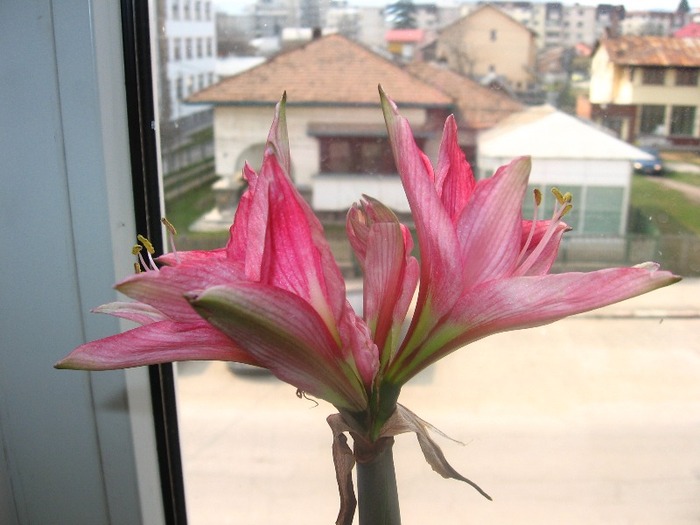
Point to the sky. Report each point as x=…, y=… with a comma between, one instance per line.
x=233, y=6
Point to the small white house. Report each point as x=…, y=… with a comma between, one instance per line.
x=572, y=155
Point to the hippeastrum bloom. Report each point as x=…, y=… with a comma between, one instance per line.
x=275, y=297
x=483, y=268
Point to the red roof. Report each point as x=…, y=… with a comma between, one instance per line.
x=405, y=35
x=479, y=107
x=689, y=31
x=653, y=51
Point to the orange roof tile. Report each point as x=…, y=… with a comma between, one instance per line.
x=478, y=106
x=653, y=51
x=331, y=70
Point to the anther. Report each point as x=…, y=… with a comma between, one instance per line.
x=136, y=249
x=562, y=198
x=169, y=226
x=538, y=196
x=146, y=244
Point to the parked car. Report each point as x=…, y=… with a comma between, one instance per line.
x=654, y=166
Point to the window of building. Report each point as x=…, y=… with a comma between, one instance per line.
x=602, y=209
x=682, y=120
x=188, y=48
x=653, y=75
x=210, y=47
x=175, y=10
x=652, y=119
x=360, y=155
x=687, y=77
x=176, y=52
x=198, y=10
x=494, y=35
x=207, y=11
x=199, y=47
x=187, y=15
x=179, y=90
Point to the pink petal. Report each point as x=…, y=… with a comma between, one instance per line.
x=441, y=268
x=524, y=302
x=155, y=343
x=454, y=178
x=134, y=311
x=165, y=289
x=544, y=261
x=286, y=335
x=490, y=227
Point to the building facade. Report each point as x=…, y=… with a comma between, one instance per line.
x=647, y=88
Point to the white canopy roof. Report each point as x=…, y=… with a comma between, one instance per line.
x=544, y=132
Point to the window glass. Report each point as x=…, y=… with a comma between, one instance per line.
x=653, y=75
x=602, y=209
x=652, y=119
x=682, y=120
x=687, y=77
x=255, y=453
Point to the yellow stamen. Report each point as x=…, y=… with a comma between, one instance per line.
x=566, y=209
x=136, y=249
x=146, y=244
x=137, y=268
x=169, y=226
x=558, y=195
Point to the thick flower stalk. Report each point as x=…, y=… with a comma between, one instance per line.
x=274, y=296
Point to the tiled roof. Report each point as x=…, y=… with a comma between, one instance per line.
x=691, y=30
x=331, y=70
x=405, y=35
x=478, y=106
x=653, y=51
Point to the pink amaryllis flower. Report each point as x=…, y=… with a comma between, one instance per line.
x=483, y=268
x=273, y=297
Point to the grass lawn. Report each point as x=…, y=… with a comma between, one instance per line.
x=182, y=211
x=687, y=178
x=668, y=210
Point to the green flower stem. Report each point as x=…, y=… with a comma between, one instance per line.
x=378, y=497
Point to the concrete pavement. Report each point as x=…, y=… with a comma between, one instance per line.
x=591, y=420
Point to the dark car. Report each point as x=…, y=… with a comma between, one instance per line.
x=653, y=166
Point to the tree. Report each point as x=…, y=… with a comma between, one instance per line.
x=402, y=14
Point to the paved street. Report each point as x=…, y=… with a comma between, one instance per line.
x=592, y=420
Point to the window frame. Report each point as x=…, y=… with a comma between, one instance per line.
x=147, y=194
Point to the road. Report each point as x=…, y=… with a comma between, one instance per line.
x=591, y=420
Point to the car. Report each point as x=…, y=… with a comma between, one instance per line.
x=653, y=166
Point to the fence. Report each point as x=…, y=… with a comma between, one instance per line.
x=678, y=253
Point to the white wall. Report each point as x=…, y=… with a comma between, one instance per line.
x=66, y=222
x=237, y=128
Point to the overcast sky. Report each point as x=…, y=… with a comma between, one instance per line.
x=630, y=5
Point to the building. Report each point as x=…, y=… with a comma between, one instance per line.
x=558, y=24
x=647, y=87
x=572, y=155
x=190, y=30
x=489, y=43
x=337, y=132
x=477, y=107
x=403, y=44
x=187, y=63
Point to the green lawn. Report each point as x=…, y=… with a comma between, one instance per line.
x=182, y=211
x=668, y=210
x=688, y=178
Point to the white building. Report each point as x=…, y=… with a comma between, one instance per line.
x=569, y=154
x=190, y=30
